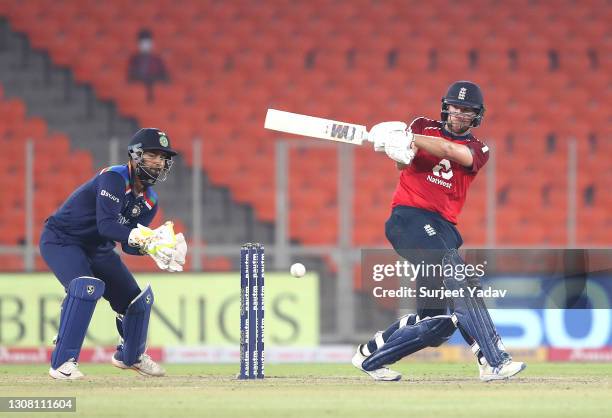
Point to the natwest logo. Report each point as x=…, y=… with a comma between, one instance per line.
x=443, y=169
x=441, y=173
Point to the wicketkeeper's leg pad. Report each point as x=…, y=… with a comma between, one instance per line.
x=77, y=309
x=135, y=326
x=427, y=332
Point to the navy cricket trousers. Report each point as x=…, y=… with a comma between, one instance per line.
x=421, y=236
x=68, y=261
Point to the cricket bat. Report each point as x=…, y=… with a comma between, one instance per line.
x=331, y=130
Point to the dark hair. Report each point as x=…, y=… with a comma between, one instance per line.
x=145, y=34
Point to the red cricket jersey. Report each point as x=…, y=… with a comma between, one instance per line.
x=436, y=184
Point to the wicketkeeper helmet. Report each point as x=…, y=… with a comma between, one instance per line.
x=150, y=139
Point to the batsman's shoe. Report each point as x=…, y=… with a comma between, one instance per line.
x=67, y=371
x=383, y=374
x=146, y=366
x=507, y=369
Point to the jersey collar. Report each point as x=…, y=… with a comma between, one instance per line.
x=455, y=137
x=131, y=184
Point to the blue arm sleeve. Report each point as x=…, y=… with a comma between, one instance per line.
x=110, y=195
x=144, y=219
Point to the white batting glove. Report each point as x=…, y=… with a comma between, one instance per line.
x=399, y=147
x=379, y=134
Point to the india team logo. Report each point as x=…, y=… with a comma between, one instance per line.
x=163, y=139
x=136, y=211
x=90, y=289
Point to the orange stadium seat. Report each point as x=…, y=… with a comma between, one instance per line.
x=35, y=128
x=65, y=50
x=12, y=109
x=109, y=85
x=132, y=100
x=87, y=64
x=50, y=177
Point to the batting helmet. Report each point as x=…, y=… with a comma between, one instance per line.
x=464, y=94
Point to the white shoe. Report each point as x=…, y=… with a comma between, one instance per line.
x=383, y=374
x=67, y=371
x=507, y=369
x=146, y=366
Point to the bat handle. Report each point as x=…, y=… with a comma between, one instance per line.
x=365, y=136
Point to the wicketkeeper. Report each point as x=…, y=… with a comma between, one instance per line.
x=78, y=243
x=435, y=176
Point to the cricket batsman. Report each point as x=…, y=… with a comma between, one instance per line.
x=435, y=176
x=78, y=242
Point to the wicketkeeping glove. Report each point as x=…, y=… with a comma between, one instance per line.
x=159, y=243
x=179, y=254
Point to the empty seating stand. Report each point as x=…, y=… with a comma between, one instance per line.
x=228, y=61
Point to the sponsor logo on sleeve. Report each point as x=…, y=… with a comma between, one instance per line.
x=109, y=195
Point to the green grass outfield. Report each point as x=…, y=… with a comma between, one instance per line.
x=328, y=390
